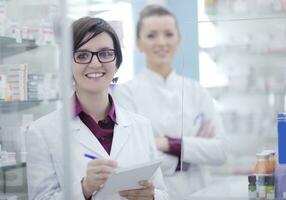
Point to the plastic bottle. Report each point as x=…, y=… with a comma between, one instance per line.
x=280, y=170
x=252, y=192
x=281, y=118
x=263, y=165
x=280, y=182
x=270, y=188
x=272, y=159
x=8, y=93
x=261, y=187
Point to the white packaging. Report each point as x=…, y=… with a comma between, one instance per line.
x=2, y=86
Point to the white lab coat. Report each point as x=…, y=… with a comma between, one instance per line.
x=175, y=106
x=132, y=144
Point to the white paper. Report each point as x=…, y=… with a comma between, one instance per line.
x=128, y=178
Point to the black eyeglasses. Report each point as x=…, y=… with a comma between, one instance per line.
x=85, y=57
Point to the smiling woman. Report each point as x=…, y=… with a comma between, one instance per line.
x=160, y=94
x=104, y=130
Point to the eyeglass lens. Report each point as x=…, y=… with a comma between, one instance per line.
x=103, y=56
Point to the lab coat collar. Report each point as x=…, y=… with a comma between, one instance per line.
x=158, y=78
x=85, y=137
x=120, y=135
x=121, y=118
x=121, y=132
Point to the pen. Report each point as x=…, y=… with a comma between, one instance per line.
x=198, y=119
x=89, y=156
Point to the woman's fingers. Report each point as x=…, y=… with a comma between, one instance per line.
x=97, y=172
x=101, y=162
x=147, y=192
x=100, y=169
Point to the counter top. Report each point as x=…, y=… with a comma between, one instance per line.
x=224, y=188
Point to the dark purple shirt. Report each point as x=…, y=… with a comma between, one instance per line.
x=175, y=146
x=103, y=130
x=175, y=149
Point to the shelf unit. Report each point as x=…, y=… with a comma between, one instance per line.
x=17, y=106
x=248, y=50
x=27, y=38
x=9, y=46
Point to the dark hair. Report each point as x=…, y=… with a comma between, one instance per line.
x=95, y=26
x=153, y=10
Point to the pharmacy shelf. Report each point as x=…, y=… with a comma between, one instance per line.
x=9, y=46
x=232, y=90
x=12, y=166
x=16, y=106
x=244, y=50
x=19, y=191
x=242, y=17
x=255, y=11
x=13, y=196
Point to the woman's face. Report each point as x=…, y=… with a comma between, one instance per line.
x=158, y=40
x=95, y=76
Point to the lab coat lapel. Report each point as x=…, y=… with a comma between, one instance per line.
x=121, y=134
x=85, y=137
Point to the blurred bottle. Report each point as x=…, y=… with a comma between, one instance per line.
x=262, y=165
x=8, y=93
x=272, y=159
x=261, y=187
x=211, y=6
x=252, y=190
x=280, y=182
x=280, y=170
x=281, y=120
x=270, y=187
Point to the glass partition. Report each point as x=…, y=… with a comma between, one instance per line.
x=214, y=127
x=242, y=66
x=30, y=77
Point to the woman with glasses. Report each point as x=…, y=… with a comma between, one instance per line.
x=183, y=116
x=104, y=136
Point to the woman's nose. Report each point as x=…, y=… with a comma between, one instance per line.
x=95, y=61
x=161, y=40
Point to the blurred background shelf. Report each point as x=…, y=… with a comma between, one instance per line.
x=17, y=106
x=12, y=166
x=9, y=46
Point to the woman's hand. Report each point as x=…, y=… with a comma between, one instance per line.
x=97, y=172
x=146, y=193
x=162, y=144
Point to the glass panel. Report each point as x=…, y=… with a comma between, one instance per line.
x=220, y=10
x=242, y=65
x=29, y=87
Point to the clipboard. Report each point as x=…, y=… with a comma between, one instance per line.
x=128, y=178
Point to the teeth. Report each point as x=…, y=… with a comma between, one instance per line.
x=94, y=75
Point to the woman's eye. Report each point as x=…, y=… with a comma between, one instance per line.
x=106, y=54
x=103, y=54
x=82, y=55
x=151, y=36
x=169, y=34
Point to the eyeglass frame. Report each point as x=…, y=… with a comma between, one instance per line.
x=94, y=53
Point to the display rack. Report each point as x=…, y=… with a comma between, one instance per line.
x=9, y=46
x=248, y=50
x=28, y=88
